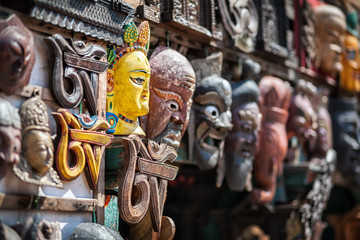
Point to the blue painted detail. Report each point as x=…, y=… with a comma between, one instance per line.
x=112, y=119
x=85, y=124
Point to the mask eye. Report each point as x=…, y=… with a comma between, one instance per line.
x=138, y=81
x=173, y=106
x=211, y=111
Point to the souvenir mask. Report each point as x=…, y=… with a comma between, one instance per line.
x=329, y=28
x=17, y=55
x=345, y=122
x=36, y=147
x=272, y=145
x=302, y=121
x=240, y=144
x=350, y=75
x=10, y=136
x=210, y=118
x=171, y=88
x=128, y=82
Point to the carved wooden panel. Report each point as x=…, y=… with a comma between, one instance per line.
x=241, y=21
x=78, y=64
x=85, y=140
x=144, y=180
x=273, y=24
x=194, y=16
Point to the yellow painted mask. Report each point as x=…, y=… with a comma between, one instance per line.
x=128, y=82
x=350, y=75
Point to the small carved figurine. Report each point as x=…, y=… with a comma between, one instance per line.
x=128, y=81
x=17, y=55
x=34, y=229
x=240, y=144
x=171, y=89
x=345, y=125
x=329, y=27
x=210, y=119
x=37, y=151
x=10, y=136
x=272, y=145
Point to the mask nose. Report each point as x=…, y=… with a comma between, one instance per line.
x=223, y=122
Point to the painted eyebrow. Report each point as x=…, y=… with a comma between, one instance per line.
x=169, y=95
x=143, y=71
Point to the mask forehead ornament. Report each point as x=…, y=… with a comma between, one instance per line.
x=210, y=118
x=37, y=150
x=240, y=144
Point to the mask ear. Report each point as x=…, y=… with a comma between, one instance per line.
x=191, y=134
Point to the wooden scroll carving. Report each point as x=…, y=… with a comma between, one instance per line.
x=241, y=21
x=85, y=140
x=143, y=183
x=17, y=56
x=79, y=65
x=195, y=16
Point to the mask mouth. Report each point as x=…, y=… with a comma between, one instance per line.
x=247, y=151
x=172, y=138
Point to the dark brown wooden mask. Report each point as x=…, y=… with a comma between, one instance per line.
x=10, y=136
x=240, y=144
x=17, y=55
x=172, y=85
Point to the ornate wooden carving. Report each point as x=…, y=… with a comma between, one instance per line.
x=99, y=19
x=36, y=147
x=150, y=11
x=271, y=37
x=144, y=180
x=194, y=16
x=272, y=144
x=241, y=21
x=10, y=136
x=81, y=68
x=17, y=54
x=85, y=140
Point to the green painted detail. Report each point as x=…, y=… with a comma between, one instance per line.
x=111, y=218
x=113, y=158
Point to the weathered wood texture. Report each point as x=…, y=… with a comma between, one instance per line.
x=28, y=202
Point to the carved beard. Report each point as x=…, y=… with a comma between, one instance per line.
x=238, y=169
x=171, y=135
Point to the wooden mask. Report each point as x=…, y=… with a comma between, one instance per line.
x=37, y=150
x=172, y=85
x=345, y=125
x=10, y=136
x=210, y=119
x=329, y=27
x=302, y=121
x=272, y=145
x=240, y=144
x=17, y=55
x=128, y=81
x=350, y=74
